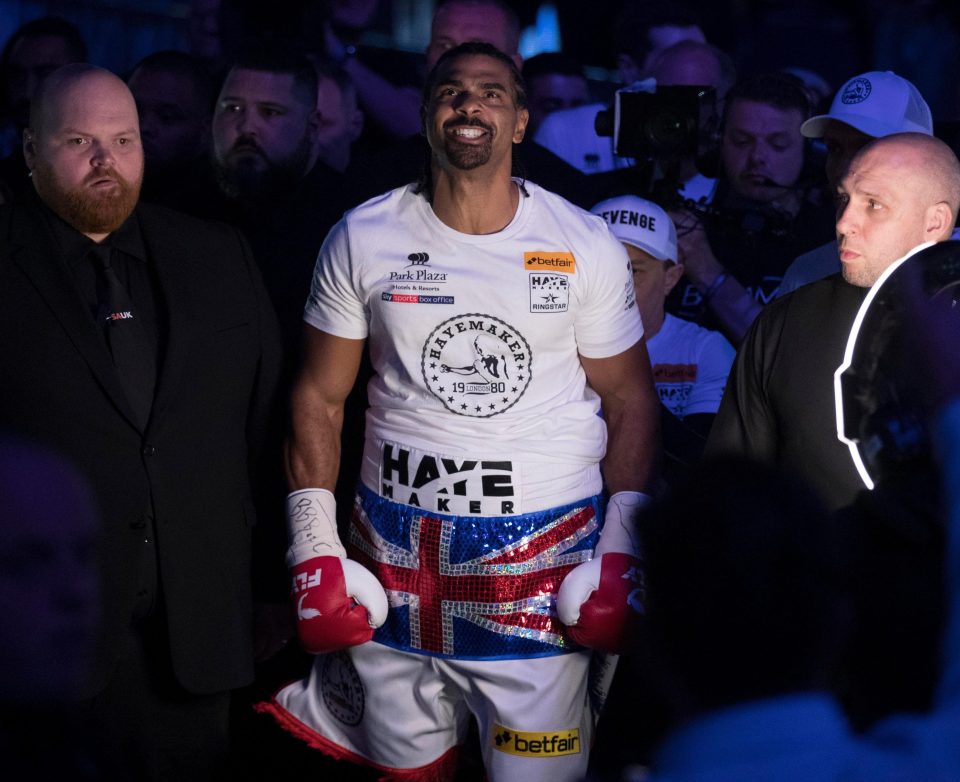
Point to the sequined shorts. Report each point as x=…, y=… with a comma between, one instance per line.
x=472, y=588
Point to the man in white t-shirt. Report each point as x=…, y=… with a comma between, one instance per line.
x=690, y=363
x=501, y=321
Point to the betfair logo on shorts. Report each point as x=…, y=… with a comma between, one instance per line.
x=550, y=261
x=536, y=745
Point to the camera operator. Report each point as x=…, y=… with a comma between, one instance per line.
x=643, y=34
x=767, y=210
x=693, y=64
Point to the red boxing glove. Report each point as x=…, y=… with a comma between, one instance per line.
x=332, y=597
x=602, y=602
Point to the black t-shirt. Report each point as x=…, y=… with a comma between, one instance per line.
x=778, y=406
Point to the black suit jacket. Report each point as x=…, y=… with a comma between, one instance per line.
x=214, y=399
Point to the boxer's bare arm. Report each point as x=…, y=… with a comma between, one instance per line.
x=329, y=369
x=632, y=411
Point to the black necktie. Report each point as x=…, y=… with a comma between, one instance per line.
x=133, y=354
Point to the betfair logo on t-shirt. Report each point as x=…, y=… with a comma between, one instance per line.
x=550, y=261
x=540, y=744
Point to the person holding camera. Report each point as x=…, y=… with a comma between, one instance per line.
x=767, y=209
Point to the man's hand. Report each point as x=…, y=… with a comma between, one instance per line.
x=602, y=601
x=729, y=302
x=338, y=602
x=694, y=251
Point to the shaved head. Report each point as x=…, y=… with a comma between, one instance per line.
x=940, y=166
x=929, y=166
x=898, y=192
x=58, y=86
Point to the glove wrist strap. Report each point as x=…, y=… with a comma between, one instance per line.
x=619, y=532
x=312, y=526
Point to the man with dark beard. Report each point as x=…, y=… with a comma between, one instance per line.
x=264, y=130
x=277, y=192
x=140, y=344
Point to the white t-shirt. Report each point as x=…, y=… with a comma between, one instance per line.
x=690, y=366
x=478, y=392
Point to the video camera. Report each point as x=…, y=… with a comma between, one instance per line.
x=668, y=124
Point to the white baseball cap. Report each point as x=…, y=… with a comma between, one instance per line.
x=878, y=103
x=641, y=223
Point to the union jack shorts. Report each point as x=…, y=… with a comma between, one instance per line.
x=467, y=587
x=472, y=632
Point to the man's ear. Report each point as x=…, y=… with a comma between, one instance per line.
x=523, y=117
x=939, y=225
x=29, y=148
x=671, y=277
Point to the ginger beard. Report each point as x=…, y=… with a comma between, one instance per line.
x=90, y=208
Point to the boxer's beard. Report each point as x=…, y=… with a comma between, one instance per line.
x=467, y=156
x=241, y=178
x=88, y=210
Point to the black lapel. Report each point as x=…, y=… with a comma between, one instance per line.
x=34, y=250
x=169, y=250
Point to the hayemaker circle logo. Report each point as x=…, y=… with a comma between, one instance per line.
x=477, y=365
x=341, y=688
x=857, y=91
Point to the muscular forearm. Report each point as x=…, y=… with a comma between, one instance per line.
x=313, y=449
x=633, y=455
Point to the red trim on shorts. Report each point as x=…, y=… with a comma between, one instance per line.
x=443, y=769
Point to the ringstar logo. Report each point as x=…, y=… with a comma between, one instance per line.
x=549, y=292
x=541, y=744
x=857, y=91
x=476, y=364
